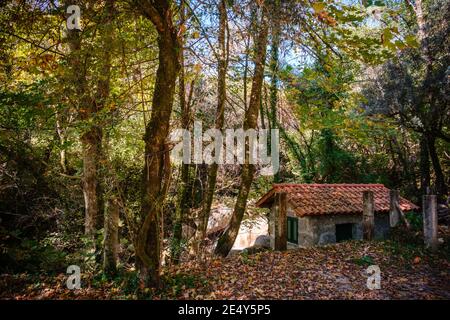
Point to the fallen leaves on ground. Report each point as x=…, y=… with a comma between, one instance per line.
x=329, y=272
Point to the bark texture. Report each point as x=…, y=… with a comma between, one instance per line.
x=274, y=66
x=111, y=242
x=156, y=170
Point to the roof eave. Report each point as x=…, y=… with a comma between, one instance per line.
x=266, y=200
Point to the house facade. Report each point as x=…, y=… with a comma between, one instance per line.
x=305, y=215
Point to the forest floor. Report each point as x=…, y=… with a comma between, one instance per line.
x=329, y=272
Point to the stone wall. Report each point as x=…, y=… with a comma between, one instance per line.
x=321, y=230
x=325, y=228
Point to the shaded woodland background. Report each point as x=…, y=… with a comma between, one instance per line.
x=358, y=90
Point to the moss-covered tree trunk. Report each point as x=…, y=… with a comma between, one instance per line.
x=274, y=66
x=226, y=241
x=156, y=170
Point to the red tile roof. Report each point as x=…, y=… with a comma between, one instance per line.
x=319, y=199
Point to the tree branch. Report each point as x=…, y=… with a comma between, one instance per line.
x=149, y=10
x=34, y=44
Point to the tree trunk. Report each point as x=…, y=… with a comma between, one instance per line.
x=441, y=186
x=61, y=132
x=93, y=197
x=111, y=212
x=156, y=170
x=183, y=194
x=91, y=139
x=226, y=242
x=111, y=242
x=276, y=30
x=220, y=116
x=180, y=213
x=424, y=166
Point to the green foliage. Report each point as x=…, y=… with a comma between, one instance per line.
x=25, y=108
x=330, y=122
x=246, y=258
x=29, y=255
x=129, y=282
x=416, y=220
x=336, y=165
x=181, y=282
x=405, y=250
x=364, y=261
x=369, y=3
x=176, y=248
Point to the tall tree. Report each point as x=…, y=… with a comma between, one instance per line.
x=183, y=194
x=226, y=241
x=89, y=105
x=156, y=170
x=274, y=69
x=413, y=88
x=111, y=213
x=220, y=115
x=432, y=125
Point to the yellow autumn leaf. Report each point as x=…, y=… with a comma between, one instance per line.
x=197, y=68
x=318, y=6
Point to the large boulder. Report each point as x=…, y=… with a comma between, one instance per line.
x=262, y=241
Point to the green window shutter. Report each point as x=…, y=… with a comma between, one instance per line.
x=292, y=230
x=289, y=229
x=296, y=231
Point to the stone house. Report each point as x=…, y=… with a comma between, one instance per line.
x=304, y=215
